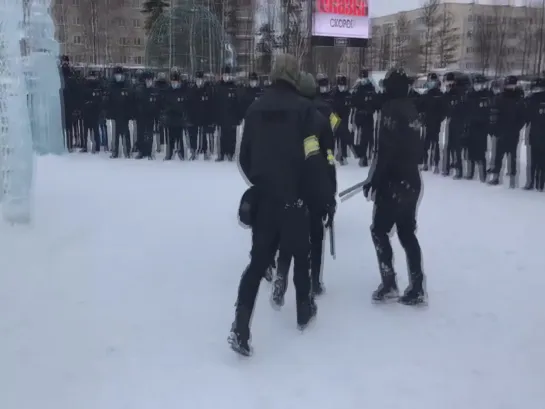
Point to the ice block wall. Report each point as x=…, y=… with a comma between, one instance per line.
x=16, y=163
x=43, y=79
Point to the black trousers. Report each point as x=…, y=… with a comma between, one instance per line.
x=476, y=149
x=146, y=137
x=290, y=227
x=342, y=139
x=431, y=145
x=536, y=171
x=175, y=138
x=397, y=206
x=228, y=140
x=316, y=230
x=504, y=148
x=121, y=132
x=364, y=144
x=90, y=125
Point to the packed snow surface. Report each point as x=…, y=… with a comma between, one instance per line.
x=120, y=296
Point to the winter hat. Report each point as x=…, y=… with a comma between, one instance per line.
x=307, y=85
x=286, y=69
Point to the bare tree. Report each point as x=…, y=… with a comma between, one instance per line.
x=447, y=38
x=401, y=39
x=295, y=28
x=373, y=50
x=526, y=35
x=60, y=16
x=385, y=51
x=431, y=17
x=267, y=36
x=482, y=34
x=501, y=27
x=539, y=35
x=328, y=59
x=413, y=54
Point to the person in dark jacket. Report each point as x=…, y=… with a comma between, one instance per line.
x=93, y=105
x=280, y=156
x=394, y=182
x=120, y=101
x=433, y=104
x=507, y=120
x=307, y=88
x=535, y=139
x=148, y=107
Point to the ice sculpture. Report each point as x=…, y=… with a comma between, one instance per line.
x=43, y=79
x=16, y=161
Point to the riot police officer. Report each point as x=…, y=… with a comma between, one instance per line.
x=307, y=88
x=227, y=103
x=479, y=101
x=200, y=115
x=252, y=92
x=507, y=121
x=175, y=116
x=535, y=123
x=395, y=185
x=92, y=107
x=280, y=156
x=456, y=112
x=434, y=110
x=365, y=103
x=120, y=102
x=148, y=106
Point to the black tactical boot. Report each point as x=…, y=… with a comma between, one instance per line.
x=239, y=338
x=317, y=287
x=280, y=286
x=306, y=311
x=415, y=293
x=387, y=289
x=495, y=180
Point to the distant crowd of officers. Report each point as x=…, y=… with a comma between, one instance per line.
x=205, y=114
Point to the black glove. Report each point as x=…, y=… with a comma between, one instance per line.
x=329, y=214
x=368, y=190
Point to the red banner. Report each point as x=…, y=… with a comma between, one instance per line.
x=355, y=8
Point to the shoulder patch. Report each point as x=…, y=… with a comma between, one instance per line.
x=334, y=121
x=311, y=146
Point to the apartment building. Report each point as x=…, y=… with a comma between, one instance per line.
x=491, y=38
x=101, y=31
x=109, y=32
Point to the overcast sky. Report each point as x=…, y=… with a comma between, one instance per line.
x=384, y=7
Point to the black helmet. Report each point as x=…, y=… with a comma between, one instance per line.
x=397, y=82
x=364, y=73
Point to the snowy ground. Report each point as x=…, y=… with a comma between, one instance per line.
x=120, y=296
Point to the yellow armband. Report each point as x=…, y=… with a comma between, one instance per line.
x=311, y=146
x=334, y=121
x=330, y=157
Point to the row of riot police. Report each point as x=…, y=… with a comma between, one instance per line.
x=189, y=117
x=474, y=116
x=468, y=116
